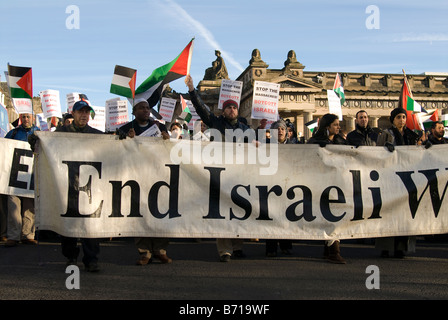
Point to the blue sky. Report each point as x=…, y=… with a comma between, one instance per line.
x=326, y=36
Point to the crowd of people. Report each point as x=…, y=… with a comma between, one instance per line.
x=17, y=213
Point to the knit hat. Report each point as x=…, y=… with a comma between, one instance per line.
x=279, y=123
x=228, y=103
x=396, y=112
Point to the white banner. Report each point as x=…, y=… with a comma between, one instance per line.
x=99, y=186
x=265, y=100
x=16, y=168
x=230, y=90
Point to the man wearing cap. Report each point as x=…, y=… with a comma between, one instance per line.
x=228, y=120
x=147, y=247
x=80, y=112
x=142, y=121
x=90, y=246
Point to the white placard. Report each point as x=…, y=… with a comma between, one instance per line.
x=230, y=90
x=334, y=104
x=265, y=100
x=116, y=114
x=99, y=122
x=153, y=131
x=166, y=109
x=51, y=103
x=22, y=105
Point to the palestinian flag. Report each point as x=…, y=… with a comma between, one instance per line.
x=427, y=119
x=445, y=120
x=151, y=89
x=20, y=81
x=186, y=114
x=414, y=106
x=123, y=82
x=339, y=89
x=408, y=103
x=312, y=125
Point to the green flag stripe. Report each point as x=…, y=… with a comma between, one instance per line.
x=19, y=93
x=156, y=76
x=121, y=91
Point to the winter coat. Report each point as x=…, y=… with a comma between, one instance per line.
x=362, y=137
x=216, y=122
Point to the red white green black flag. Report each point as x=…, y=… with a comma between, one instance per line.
x=151, y=89
x=20, y=81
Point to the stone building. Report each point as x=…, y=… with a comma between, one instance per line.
x=303, y=95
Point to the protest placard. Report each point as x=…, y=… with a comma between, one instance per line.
x=265, y=100
x=230, y=90
x=334, y=104
x=51, y=104
x=166, y=108
x=22, y=105
x=116, y=114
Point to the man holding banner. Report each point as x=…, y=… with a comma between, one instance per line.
x=142, y=121
x=227, y=121
x=21, y=209
x=147, y=247
x=90, y=246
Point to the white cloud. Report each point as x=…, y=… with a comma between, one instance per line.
x=203, y=32
x=422, y=37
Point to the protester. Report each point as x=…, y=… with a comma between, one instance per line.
x=397, y=135
x=328, y=133
x=90, y=246
x=280, y=136
x=292, y=133
x=363, y=135
x=437, y=133
x=147, y=247
x=176, y=130
x=229, y=120
x=21, y=209
x=142, y=121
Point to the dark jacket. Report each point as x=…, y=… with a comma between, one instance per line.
x=323, y=140
x=434, y=140
x=220, y=123
x=138, y=129
x=362, y=137
x=391, y=135
x=73, y=128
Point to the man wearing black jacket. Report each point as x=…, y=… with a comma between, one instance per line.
x=90, y=246
x=363, y=135
x=228, y=120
